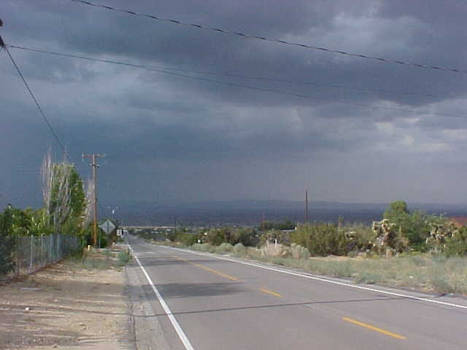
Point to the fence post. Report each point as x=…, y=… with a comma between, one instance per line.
x=42, y=250
x=51, y=246
x=17, y=239
x=32, y=252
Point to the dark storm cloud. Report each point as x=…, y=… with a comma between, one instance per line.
x=223, y=136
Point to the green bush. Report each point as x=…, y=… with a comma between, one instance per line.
x=224, y=248
x=457, y=244
x=239, y=249
x=203, y=247
x=7, y=244
x=414, y=225
x=187, y=239
x=246, y=236
x=217, y=236
x=124, y=257
x=359, y=238
x=283, y=225
x=320, y=239
x=102, y=239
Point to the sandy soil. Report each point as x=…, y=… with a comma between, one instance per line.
x=70, y=305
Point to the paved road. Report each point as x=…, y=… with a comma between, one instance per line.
x=203, y=302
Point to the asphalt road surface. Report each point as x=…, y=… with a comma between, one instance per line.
x=200, y=301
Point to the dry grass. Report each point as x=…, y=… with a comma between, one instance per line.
x=101, y=259
x=423, y=272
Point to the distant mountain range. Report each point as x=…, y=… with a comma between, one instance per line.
x=252, y=212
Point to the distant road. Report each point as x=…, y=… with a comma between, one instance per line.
x=202, y=302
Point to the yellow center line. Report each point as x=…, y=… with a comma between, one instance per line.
x=373, y=328
x=205, y=268
x=267, y=291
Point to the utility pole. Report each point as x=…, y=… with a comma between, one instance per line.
x=94, y=166
x=306, y=206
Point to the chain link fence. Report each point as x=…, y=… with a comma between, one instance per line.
x=34, y=252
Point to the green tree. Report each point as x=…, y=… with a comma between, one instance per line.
x=396, y=210
x=7, y=242
x=67, y=199
x=415, y=225
x=17, y=221
x=457, y=244
x=215, y=236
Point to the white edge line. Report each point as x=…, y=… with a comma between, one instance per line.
x=181, y=334
x=309, y=276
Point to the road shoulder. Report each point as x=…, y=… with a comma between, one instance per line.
x=73, y=304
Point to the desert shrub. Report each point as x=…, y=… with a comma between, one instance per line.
x=283, y=225
x=216, y=236
x=414, y=225
x=299, y=252
x=253, y=252
x=389, y=240
x=187, y=239
x=273, y=236
x=244, y=235
x=275, y=250
x=457, y=244
x=359, y=238
x=239, y=249
x=203, y=247
x=224, y=248
x=320, y=239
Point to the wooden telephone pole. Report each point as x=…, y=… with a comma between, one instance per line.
x=306, y=206
x=94, y=166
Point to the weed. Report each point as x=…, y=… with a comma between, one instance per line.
x=224, y=248
x=124, y=257
x=240, y=250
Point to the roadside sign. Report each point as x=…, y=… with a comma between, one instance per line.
x=107, y=226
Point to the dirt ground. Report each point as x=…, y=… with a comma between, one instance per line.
x=75, y=304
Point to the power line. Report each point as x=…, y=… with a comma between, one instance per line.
x=36, y=102
x=180, y=75
x=230, y=75
x=164, y=71
x=277, y=41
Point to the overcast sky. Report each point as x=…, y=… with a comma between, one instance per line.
x=346, y=128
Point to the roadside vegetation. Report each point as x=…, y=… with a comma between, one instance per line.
x=66, y=210
x=409, y=249
x=100, y=259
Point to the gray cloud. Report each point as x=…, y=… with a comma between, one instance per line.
x=361, y=130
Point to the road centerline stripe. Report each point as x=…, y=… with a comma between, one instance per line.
x=270, y=292
x=206, y=268
x=178, y=329
x=373, y=328
x=322, y=279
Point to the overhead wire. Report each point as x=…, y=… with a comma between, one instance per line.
x=164, y=71
x=180, y=75
x=273, y=40
x=226, y=74
x=36, y=102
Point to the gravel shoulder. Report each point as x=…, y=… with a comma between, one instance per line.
x=75, y=304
